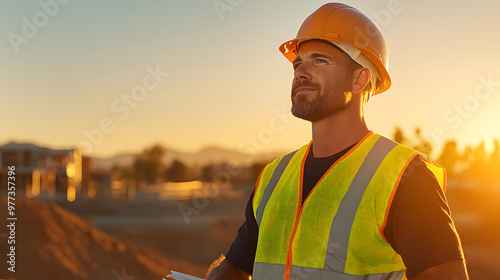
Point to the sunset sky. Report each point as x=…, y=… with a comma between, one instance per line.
x=117, y=76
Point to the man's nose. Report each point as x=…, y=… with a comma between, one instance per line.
x=303, y=71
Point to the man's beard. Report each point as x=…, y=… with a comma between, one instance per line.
x=332, y=100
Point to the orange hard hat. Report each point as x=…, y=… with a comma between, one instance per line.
x=349, y=29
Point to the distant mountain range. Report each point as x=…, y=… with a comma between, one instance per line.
x=210, y=155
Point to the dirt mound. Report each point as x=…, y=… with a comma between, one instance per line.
x=52, y=243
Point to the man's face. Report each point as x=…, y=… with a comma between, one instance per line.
x=321, y=85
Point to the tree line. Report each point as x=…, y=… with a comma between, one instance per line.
x=148, y=166
x=469, y=163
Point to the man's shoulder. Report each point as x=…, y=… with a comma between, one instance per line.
x=419, y=171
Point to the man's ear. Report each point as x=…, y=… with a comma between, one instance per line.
x=361, y=78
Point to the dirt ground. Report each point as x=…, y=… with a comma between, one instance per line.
x=52, y=243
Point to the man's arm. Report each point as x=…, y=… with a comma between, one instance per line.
x=420, y=228
x=454, y=270
x=221, y=269
x=238, y=261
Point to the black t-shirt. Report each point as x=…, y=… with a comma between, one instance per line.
x=419, y=226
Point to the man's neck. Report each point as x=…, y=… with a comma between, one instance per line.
x=332, y=135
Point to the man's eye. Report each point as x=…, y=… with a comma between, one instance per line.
x=296, y=65
x=320, y=61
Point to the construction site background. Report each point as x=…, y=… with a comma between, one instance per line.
x=144, y=232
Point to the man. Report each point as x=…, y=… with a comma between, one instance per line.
x=351, y=204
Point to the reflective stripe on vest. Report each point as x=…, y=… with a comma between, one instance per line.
x=342, y=222
x=272, y=184
x=331, y=255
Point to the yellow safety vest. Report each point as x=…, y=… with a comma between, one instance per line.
x=337, y=233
